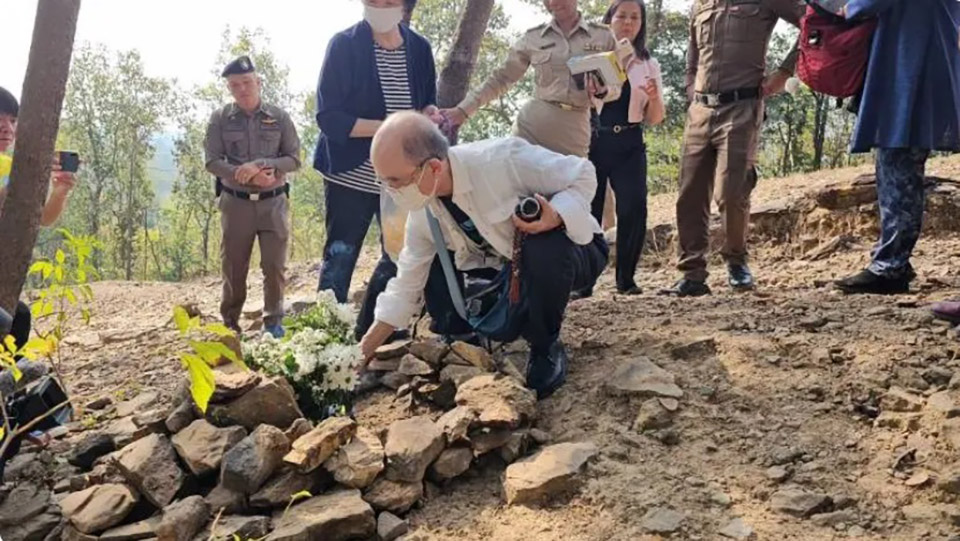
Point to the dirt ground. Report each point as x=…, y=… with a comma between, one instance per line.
x=788, y=376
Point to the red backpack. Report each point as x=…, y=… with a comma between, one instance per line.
x=834, y=52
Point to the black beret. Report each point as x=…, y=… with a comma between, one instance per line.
x=8, y=104
x=239, y=66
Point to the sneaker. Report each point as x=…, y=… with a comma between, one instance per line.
x=687, y=288
x=866, y=281
x=275, y=331
x=740, y=277
x=547, y=372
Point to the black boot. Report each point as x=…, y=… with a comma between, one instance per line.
x=687, y=288
x=740, y=277
x=580, y=294
x=547, y=371
x=866, y=281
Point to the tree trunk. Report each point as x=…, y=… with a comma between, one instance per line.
x=455, y=78
x=819, y=130
x=44, y=88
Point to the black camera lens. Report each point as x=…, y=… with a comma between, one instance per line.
x=528, y=209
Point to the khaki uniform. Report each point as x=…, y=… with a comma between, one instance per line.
x=558, y=118
x=728, y=48
x=234, y=138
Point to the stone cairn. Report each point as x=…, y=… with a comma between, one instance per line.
x=254, y=468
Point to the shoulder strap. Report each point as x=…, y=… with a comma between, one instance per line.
x=448, y=270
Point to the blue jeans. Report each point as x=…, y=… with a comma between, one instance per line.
x=900, y=174
x=349, y=213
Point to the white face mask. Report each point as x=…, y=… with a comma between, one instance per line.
x=410, y=198
x=382, y=20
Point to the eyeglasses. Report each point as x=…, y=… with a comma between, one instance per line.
x=394, y=181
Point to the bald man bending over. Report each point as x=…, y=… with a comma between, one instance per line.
x=473, y=191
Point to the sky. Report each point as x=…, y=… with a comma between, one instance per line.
x=180, y=38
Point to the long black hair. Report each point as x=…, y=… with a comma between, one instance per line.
x=640, y=43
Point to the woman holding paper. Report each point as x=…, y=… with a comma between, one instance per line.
x=558, y=116
x=618, y=150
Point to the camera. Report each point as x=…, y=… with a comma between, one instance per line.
x=528, y=209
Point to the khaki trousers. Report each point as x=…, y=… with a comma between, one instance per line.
x=242, y=222
x=719, y=145
x=562, y=131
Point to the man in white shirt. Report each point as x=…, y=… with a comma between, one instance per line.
x=473, y=190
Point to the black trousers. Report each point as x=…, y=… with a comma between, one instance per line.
x=349, y=213
x=20, y=330
x=551, y=267
x=621, y=160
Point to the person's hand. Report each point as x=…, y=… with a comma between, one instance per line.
x=456, y=115
x=652, y=90
x=433, y=113
x=61, y=181
x=246, y=172
x=375, y=337
x=774, y=83
x=266, y=177
x=549, y=220
x=594, y=88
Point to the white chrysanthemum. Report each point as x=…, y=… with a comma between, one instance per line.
x=342, y=312
x=341, y=362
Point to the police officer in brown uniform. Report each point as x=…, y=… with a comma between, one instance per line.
x=558, y=117
x=250, y=147
x=726, y=87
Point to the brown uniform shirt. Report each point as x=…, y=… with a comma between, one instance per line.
x=235, y=138
x=729, y=39
x=547, y=49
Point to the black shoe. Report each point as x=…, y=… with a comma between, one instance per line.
x=866, y=281
x=471, y=338
x=687, y=288
x=547, y=372
x=580, y=294
x=629, y=289
x=740, y=276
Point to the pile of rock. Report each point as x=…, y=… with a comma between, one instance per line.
x=253, y=467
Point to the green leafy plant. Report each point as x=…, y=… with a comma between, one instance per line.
x=64, y=289
x=203, y=353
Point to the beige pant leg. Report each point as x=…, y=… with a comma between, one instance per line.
x=545, y=124
x=273, y=217
x=238, y=224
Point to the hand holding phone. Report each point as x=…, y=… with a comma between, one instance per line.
x=69, y=161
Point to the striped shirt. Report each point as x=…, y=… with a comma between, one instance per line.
x=394, y=80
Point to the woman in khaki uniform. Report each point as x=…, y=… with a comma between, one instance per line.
x=558, y=117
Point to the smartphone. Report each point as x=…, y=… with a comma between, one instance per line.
x=69, y=161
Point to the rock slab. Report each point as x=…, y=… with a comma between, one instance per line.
x=98, y=508
x=202, y=445
x=272, y=402
x=394, y=496
x=499, y=400
x=251, y=462
x=552, y=470
x=312, y=449
x=641, y=377
x=412, y=445
x=661, y=520
x=183, y=520
x=338, y=516
x=358, y=463
x=150, y=465
x=390, y=526
x=799, y=502
x=90, y=449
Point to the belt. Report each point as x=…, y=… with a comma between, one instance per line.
x=724, y=98
x=257, y=196
x=566, y=106
x=617, y=128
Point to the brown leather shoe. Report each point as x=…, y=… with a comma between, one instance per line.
x=947, y=311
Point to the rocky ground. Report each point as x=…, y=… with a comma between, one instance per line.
x=793, y=412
